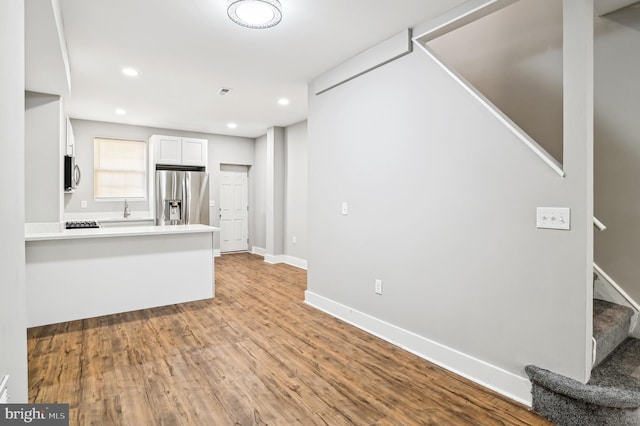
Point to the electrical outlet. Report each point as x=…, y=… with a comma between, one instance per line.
x=345, y=208
x=83, y=204
x=378, y=286
x=553, y=218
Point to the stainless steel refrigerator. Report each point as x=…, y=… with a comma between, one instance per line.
x=182, y=197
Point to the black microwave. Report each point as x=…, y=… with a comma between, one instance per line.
x=71, y=173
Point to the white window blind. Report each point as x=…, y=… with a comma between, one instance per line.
x=119, y=168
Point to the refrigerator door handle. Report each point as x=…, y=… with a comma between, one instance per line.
x=186, y=196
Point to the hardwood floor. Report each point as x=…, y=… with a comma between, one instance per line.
x=254, y=355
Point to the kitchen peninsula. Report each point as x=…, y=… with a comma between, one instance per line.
x=83, y=273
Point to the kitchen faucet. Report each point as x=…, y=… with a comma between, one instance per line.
x=127, y=212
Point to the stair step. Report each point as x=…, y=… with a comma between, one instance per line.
x=611, y=324
x=610, y=398
x=620, y=370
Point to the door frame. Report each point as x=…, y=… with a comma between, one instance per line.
x=239, y=168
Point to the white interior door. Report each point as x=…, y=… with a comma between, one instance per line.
x=234, y=215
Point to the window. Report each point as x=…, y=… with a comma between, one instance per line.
x=119, y=169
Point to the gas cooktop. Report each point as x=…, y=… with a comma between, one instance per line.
x=80, y=224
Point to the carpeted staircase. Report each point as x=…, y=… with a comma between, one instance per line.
x=612, y=395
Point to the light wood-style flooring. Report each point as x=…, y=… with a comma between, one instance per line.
x=254, y=355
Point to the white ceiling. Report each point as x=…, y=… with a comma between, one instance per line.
x=186, y=50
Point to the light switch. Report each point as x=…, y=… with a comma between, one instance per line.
x=83, y=204
x=345, y=208
x=212, y=203
x=553, y=218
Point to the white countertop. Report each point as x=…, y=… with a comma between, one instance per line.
x=129, y=231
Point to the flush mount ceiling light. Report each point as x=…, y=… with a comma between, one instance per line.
x=255, y=13
x=232, y=125
x=130, y=72
x=120, y=111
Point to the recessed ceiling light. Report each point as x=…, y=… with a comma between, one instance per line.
x=120, y=111
x=283, y=101
x=129, y=72
x=232, y=125
x=255, y=13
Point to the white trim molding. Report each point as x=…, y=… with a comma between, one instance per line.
x=617, y=287
x=490, y=376
x=458, y=17
x=280, y=258
x=626, y=300
x=295, y=261
x=466, y=13
x=258, y=250
x=274, y=258
x=372, y=58
x=502, y=117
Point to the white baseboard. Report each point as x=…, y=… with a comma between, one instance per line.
x=280, y=258
x=258, y=250
x=274, y=258
x=504, y=382
x=216, y=253
x=296, y=261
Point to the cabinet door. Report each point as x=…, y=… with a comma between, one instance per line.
x=70, y=139
x=194, y=152
x=168, y=150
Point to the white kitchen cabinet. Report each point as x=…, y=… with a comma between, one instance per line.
x=179, y=151
x=168, y=149
x=194, y=152
x=71, y=140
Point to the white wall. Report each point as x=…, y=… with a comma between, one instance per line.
x=275, y=194
x=442, y=202
x=279, y=197
x=514, y=57
x=296, y=191
x=258, y=197
x=519, y=73
x=617, y=146
x=44, y=130
x=13, y=322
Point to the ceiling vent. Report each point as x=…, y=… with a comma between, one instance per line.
x=223, y=91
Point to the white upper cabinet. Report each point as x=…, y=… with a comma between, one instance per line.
x=168, y=149
x=71, y=140
x=179, y=151
x=194, y=152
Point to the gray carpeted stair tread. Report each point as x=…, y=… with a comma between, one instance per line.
x=621, y=369
x=612, y=395
x=610, y=327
